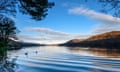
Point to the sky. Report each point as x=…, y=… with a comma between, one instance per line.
x=68, y=19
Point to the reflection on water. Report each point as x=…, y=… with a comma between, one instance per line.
x=101, y=52
x=110, y=53
x=64, y=59
x=6, y=65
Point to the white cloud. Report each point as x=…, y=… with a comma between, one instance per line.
x=41, y=39
x=102, y=28
x=108, y=22
x=32, y=37
x=49, y=36
x=46, y=31
x=93, y=14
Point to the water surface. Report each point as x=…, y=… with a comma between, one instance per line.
x=65, y=59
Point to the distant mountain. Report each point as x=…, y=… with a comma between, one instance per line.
x=113, y=34
x=26, y=44
x=75, y=40
x=109, y=39
x=14, y=45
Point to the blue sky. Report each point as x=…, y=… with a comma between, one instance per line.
x=68, y=19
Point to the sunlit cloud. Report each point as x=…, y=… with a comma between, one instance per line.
x=42, y=39
x=46, y=31
x=93, y=14
x=107, y=22
x=37, y=39
x=49, y=36
x=32, y=37
x=102, y=28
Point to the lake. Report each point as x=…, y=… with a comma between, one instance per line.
x=64, y=59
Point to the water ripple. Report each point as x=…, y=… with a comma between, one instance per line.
x=64, y=62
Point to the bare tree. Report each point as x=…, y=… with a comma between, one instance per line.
x=8, y=7
x=111, y=6
x=7, y=29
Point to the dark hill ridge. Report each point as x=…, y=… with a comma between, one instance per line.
x=14, y=45
x=76, y=40
x=109, y=39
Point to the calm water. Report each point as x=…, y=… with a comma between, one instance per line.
x=65, y=59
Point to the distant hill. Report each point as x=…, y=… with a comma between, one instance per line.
x=113, y=34
x=109, y=39
x=76, y=40
x=26, y=44
x=14, y=45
